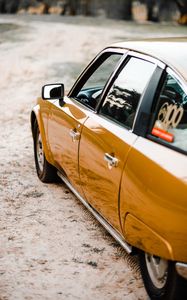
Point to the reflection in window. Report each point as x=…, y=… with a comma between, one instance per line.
x=170, y=124
x=92, y=89
x=122, y=100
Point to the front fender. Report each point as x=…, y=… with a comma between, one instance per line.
x=36, y=115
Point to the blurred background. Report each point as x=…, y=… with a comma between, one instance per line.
x=50, y=247
x=151, y=10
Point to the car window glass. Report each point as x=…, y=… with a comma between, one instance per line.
x=122, y=100
x=170, y=124
x=92, y=89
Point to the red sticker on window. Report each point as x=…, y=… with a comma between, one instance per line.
x=162, y=134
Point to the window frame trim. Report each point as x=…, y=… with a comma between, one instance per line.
x=84, y=73
x=132, y=54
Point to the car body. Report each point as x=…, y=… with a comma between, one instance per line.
x=119, y=141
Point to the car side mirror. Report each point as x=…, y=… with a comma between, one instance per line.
x=53, y=91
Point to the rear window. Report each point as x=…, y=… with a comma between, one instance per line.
x=170, y=124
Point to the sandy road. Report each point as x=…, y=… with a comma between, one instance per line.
x=50, y=246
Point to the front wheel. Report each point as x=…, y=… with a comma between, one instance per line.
x=161, y=279
x=46, y=172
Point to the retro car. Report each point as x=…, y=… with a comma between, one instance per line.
x=118, y=139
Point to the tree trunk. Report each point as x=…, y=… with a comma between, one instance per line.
x=73, y=6
x=2, y=6
x=153, y=7
x=182, y=5
x=167, y=10
x=11, y=6
x=85, y=7
x=119, y=9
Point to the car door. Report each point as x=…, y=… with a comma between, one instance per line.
x=67, y=116
x=154, y=182
x=107, y=138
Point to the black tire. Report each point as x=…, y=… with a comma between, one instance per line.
x=45, y=171
x=168, y=286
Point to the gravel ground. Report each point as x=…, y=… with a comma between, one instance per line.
x=50, y=246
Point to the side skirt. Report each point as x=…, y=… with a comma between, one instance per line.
x=102, y=221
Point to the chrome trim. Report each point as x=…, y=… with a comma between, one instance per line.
x=181, y=269
x=115, y=50
x=111, y=160
x=109, y=50
x=101, y=220
x=177, y=77
x=157, y=64
x=111, y=79
x=75, y=135
x=147, y=58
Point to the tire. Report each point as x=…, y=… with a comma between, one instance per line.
x=45, y=171
x=165, y=284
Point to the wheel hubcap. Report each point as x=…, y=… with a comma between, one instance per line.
x=158, y=270
x=40, y=153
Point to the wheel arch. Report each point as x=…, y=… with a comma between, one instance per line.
x=32, y=120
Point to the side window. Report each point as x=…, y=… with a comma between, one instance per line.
x=90, y=91
x=122, y=100
x=170, y=124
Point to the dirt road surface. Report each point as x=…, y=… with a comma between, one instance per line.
x=50, y=246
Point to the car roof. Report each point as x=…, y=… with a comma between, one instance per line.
x=171, y=51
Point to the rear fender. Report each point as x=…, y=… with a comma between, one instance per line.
x=143, y=237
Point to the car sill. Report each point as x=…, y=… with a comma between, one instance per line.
x=102, y=221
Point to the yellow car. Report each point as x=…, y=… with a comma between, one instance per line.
x=119, y=142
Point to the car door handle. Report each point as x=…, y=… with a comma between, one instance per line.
x=111, y=160
x=75, y=135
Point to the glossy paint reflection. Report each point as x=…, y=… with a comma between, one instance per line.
x=99, y=182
